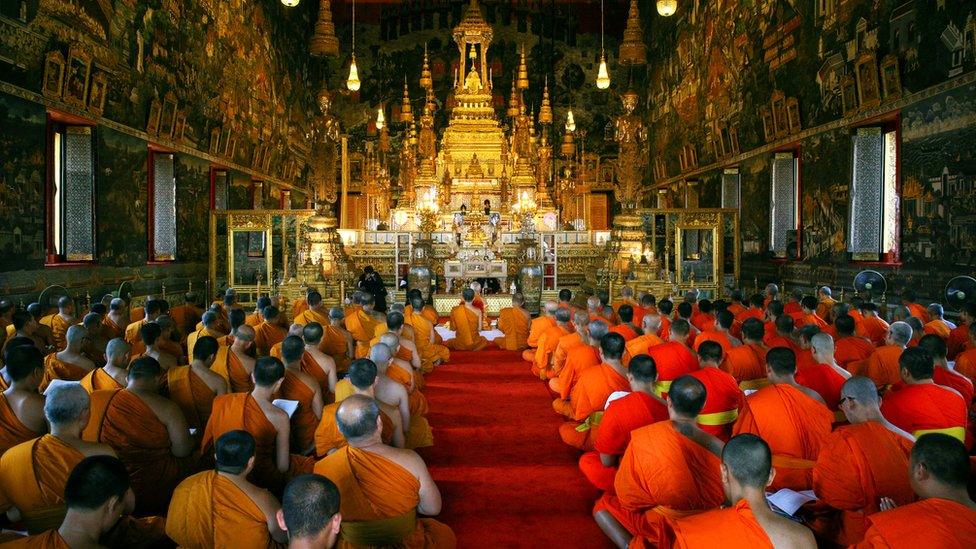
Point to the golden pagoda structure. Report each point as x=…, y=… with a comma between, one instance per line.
x=324, y=42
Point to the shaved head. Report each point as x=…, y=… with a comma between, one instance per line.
x=651, y=323
x=356, y=417
x=244, y=333
x=336, y=313
x=562, y=315
x=748, y=460
x=862, y=389
x=551, y=307
x=687, y=396
x=581, y=319
x=380, y=354
x=593, y=303
x=822, y=344
x=75, y=334
x=598, y=329
x=116, y=350
x=518, y=299
x=391, y=340
x=312, y=333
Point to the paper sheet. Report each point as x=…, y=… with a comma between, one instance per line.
x=614, y=396
x=445, y=333
x=58, y=383
x=289, y=406
x=492, y=335
x=790, y=501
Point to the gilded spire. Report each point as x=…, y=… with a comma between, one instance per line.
x=406, y=112
x=545, y=111
x=523, y=72
x=426, y=81
x=513, y=103
x=324, y=41
x=632, y=49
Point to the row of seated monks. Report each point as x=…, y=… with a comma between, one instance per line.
x=249, y=430
x=687, y=415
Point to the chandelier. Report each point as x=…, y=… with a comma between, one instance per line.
x=666, y=8
x=353, y=82
x=602, y=75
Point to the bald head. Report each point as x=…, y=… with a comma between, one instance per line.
x=862, y=391
x=626, y=292
x=598, y=329
x=900, y=333
x=391, y=340
x=244, y=333
x=518, y=299
x=75, y=336
x=117, y=352
x=593, y=303
x=92, y=321
x=336, y=313
x=562, y=316
x=748, y=460
x=66, y=404
x=356, y=418
x=581, y=319
x=551, y=307
x=312, y=333
x=686, y=396
x=116, y=304
x=822, y=344
x=651, y=323
x=381, y=354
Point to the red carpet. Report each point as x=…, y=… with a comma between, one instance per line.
x=506, y=478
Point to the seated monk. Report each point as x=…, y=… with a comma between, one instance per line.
x=43, y=336
x=33, y=474
x=850, y=348
x=96, y=496
x=303, y=388
x=747, y=471
x=773, y=311
x=641, y=345
x=185, y=316
x=872, y=327
x=269, y=425
x=966, y=359
x=207, y=328
x=151, y=334
x=882, y=365
x=638, y=408
x=747, y=362
x=309, y=512
x=755, y=311
x=959, y=336
x=23, y=326
x=425, y=337
x=859, y=464
x=790, y=416
x=539, y=325
x=466, y=321
x=626, y=298
x=268, y=332
x=315, y=312
x=301, y=304
x=61, y=321
x=784, y=335
x=412, y=406
x=945, y=516
x=808, y=314
x=361, y=324
x=362, y=378
x=97, y=340
x=404, y=373
x=823, y=374
x=193, y=388
x=919, y=406
x=406, y=350
x=938, y=325
x=704, y=319
x=147, y=431
x=153, y=309
x=70, y=364
x=315, y=362
x=945, y=373
x=117, y=319
x=605, y=310
x=548, y=341
x=719, y=333
x=234, y=364
x=113, y=375
x=221, y=508
x=254, y=317
x=382, y=489
x=674, y=359
x=670, y=469
x=337, y=342
x=21, y=407
x=589, y=396
x=168, y=342
x=577, y=336
x=724, y=398
x=626, y=327
x=579, y=358
x=514, y=322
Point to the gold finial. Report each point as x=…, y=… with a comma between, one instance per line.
x=426, y=81
x=632, y=49
x=406, y=112
x=545, y=111
x=513, y=103
x=324, y=41
x=523, y=72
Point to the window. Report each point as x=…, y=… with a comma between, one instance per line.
x=162, y=206
x=731, y=180
x=873, y=207
x=784, y=218
x=219, y=188
x=71, y=194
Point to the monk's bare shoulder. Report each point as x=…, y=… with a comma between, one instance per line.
x=275, y=415
x=306, y=379
x=89, y=449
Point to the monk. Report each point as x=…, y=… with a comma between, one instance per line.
x=268, y=424
x=589, y=396
x=882, y=365
x=704, y=319
x=113, y=375
x=670, y=469
x=674, y=359
x=147, y=431
x=626, y=328
x=773, y=312
x=719, y=332
x=21, y=407
x=304, y=389
x=793, y=418
x=542, y=365
x=771, y=294
x=150, y=333
x=849, y=348
x=755, y=310
x=193, y=388
x=363, y=377
x=909, y=298
x=317, y=363
x=920, y=406
x=362, y=325
x=576, y=337
x=268, y=331
x=640, y=345
x=94, y=347
x=872, y=327
x=221, y=508
x=784, y=335
x=301, y=304
x=153, y=309
x=403, y=372
x=514, y=322
x=539, y=325
x=626, y=298
x=337, y=342
x=636, y=409
x=823, y=374
x=208, y=328
x=168, y=341
x=309, y=512
x=70, y=364
x=859, y=464
x=966, y=359
x=825, y=303
x=945, y=517
x=938, y=325
x=746, y=471
x=60, y=321
x=117, y=318
x=425, y=336
x=412, y=406
x=406, y=352
x=724, y=398
x=254, y=317
x=315, y=312
x=466, y=321
x=235, y=364
x=24, y=327
x=808, y=313
x=944, y=373
x=747, y=362
x=580, y=358
x=42, y=333
x=959, y=336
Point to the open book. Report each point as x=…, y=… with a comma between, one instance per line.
x=289, y=406
x=789, y=501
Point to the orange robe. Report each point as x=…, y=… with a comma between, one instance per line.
x=939, y=328
x=823, y=379
x=132, y=336
x=747, y=364
x=539, y=325
x=191, y=339
x=12, y=430
x=514, y=323
x=578, y=359
x=267, y=334
x=966, y=364
x=716, y=336
x=932, y=522
x=882, y=366
x=873, y=328
x=303, y=421
x=723, y=400
x=586, y=404
x=114, y=329
x=334, y=344
x=191, y=394
x=858, y=465
x=673, y=360
x=311, y=367
x=122, y=420
x=918, y=311
x=301, y=305
x=98, y=380
x=925, y=407
x=59, y=328
x=253, y=319
x=429, y=351
x=374, y=491
x=328, y=437
x=229, y=367
x=361, y=326
x=542, y=361
x=310, y=315
x=640, y=345
x=663, y=474
x=208, y=510
x=625, y=331
x=241, y=411
x=561, y=353
x=468, y=336
x=55, y=368
x=795, y=427
x=958, y=341
x=813, y=319
x=734, y=527
x=852, y=349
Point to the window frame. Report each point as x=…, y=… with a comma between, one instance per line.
x=58, y=122
x=151, y=151
x=796, y=151
x=888, y=123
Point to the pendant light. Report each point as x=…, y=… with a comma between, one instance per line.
x=666, y=8
x=353, y=82
x=602, y=75
x=290, y=3
x=380, y=119
x=570, y=121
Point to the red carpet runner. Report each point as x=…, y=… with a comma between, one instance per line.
x=506, y=478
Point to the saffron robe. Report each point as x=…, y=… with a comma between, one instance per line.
x=334, y=344
x=539, y=325
x=310, y=315
x=561, y=353
x=467, y=336
x=59, y=329
x=932, y=522
x=240, y=411
x=328, y=437
x=625, y=331
x=55, y=368
x=857, y=466
x=673, y=360
x=12, y=430
x=958, y=341
x=721, y=338
x=966, y=364
x=514, y=323
x=374, y=489
x=723, y=400
x=925, y=407
x=640, y=345
x=191, y=339
x=578, y=359
x=193, y=396
x=114, y=329
x=734, y=527
x=874, y=329
x=954, y=380
x=303, y=421
x=429, y=352
x=590, y=392
x=824, y=380
x=918, y=311
x=99, y=380
x=546, y=348
x=361, y=325
x=882, y=365
x=939, y=328
x=795, y=427
x=747, y=364
x=852, y=349
x=267, y=334
x=229, y=367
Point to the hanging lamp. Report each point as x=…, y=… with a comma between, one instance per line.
x=380, y=119
x=570, y=121
x=353, y=82
x=290, y=3
x=602, y=75
x=666, y=8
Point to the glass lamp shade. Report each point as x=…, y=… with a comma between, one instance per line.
x=353, y=81
x=290, y=3
x=666, y=8
x=570, y=122
x=602, y=75
x=380, y=119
